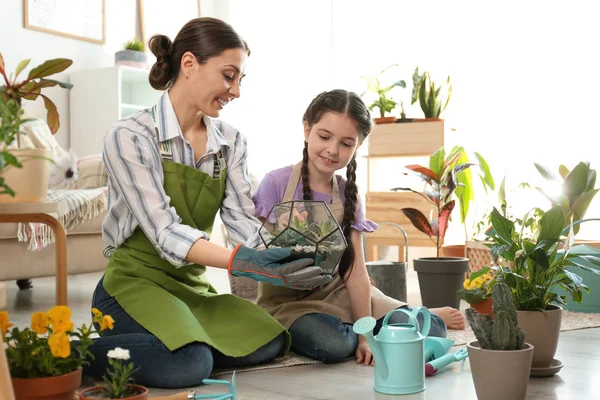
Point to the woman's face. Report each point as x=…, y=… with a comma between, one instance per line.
x=331, y=142
x=213, y=85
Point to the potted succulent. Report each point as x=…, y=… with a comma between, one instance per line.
x=133, y=54
x=439, y=277
x=500, y=354
x=43, y=362
x=477, y=291
x=384, y=103
x=432, y=99
x=532, y=255
x=117, y=381
x=17, y=165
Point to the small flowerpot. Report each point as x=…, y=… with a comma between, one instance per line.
x=384, y=120
x=133, y=392
x=61, y=387
x=30, y=183
x=131, y=58
x=500, y=375
x=439, y=280
x=484, y=307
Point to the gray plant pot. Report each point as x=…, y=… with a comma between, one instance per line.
x=389, y=277
x=542, y=330
x=440, y=279
x=131, y=58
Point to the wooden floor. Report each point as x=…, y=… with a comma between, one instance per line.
x=578, y=350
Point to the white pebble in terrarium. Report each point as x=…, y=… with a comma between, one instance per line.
x=307, y=226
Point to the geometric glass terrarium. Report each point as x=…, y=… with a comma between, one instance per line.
x=308, y=226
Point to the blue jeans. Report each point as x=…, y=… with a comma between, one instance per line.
x=326, y=338
x=159, y=366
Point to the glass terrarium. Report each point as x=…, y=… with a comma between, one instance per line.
x=308, y=226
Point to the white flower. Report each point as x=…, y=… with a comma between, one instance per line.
x=118, y=353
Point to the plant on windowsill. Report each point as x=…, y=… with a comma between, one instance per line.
x=132, y=55
x=432, y=99
x=42, y=358
x=384, y=103
x=500, y=353
x=117, y=380
x=16, y=164
x=440, y=177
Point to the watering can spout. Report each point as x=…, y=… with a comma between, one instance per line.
x=365, y=326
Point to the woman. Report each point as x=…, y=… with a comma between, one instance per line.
x=171, y=168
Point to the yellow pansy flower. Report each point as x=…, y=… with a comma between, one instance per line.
x=60, y=319
x=467, y=284
x=478, y=282
x=39, y=322
x=60, y=346
x=4, y=325
x=97, y=315
x=107, y=322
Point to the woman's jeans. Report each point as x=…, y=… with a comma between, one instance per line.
x=159, y=366
x=326, y=338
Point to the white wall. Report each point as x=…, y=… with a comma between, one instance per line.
x=18, y=43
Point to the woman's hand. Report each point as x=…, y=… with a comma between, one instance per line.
x=363, y=352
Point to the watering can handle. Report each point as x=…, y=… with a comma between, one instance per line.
x=412, y=318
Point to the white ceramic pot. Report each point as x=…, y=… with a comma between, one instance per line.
x=30, y=183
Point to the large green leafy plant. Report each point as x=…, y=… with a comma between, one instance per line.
x=432, y=99
x=383, y=102
x=12, y=92
x=441, y=179
x=532, y=255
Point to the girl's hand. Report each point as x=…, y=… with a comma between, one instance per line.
x=363, y=352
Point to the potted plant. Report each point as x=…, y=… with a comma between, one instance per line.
x=117, y=381
x=133, y=54
x=532, y=255
x=439, y=277
x=477, y=291
x=42, y=360
x=500, y=359
x=17, y=165
x=384, y=103
x=432, y=99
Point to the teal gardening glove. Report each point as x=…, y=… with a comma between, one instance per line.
x=280, y=267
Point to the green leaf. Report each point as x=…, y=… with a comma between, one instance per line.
x=552, y=224
x=485, y=168
x=591, y=179
x=21, y=66
x=546, y=173
x=49, y=67
x=582, y=203
x=503, y=227
x=436, y=161
x=576, y=182
x=563, y=171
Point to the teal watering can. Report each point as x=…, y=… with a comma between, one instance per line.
x=399, y=351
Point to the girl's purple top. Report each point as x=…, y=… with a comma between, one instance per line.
x=272, y=189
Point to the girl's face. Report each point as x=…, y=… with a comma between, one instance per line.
x=331, y=142
x=213, y=85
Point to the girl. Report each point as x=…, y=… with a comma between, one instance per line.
x=171, y=168
x=320, y=322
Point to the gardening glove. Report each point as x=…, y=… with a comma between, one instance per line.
x=280, y=267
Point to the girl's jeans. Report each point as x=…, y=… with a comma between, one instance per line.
x=326, y=338
x=158, y=366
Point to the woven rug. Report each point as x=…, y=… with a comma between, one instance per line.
x=570, y=321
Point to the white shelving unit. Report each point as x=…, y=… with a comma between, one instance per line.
x=101, y=97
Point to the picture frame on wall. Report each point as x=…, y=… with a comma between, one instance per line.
x=75, y=19
x=166, y=17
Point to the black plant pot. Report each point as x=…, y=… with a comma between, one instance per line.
x=389, y=277
x=439, y=279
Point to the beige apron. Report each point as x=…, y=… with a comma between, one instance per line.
x=287, y=305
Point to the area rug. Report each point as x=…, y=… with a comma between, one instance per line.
x=570, y=321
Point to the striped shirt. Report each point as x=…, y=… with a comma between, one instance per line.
x=132, y=155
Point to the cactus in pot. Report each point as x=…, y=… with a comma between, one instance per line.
x=503, y=332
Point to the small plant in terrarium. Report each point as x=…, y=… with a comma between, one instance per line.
x=307, y=226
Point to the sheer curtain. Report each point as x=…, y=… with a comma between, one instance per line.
x=524, y=74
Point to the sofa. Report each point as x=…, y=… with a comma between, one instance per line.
x=84, y=241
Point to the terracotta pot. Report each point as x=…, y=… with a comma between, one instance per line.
x=484, y=307
x=542, y=329
x=457, y=250
x=492, y=369
x=30, y=182
x=384, y=120
x=60, y=387
x=95, y=392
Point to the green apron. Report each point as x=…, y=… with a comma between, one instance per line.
x=179, y=305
